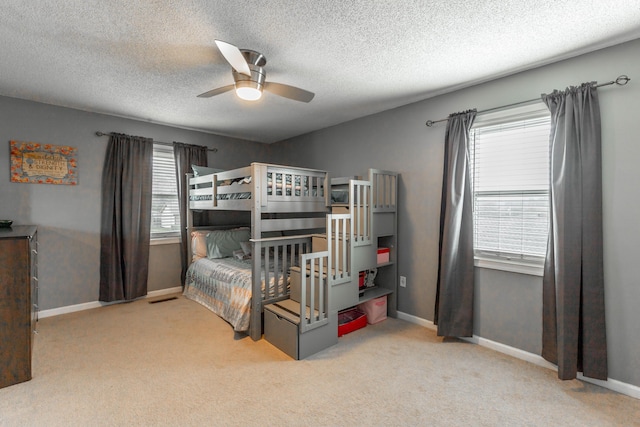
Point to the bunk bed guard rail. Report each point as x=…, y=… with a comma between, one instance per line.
x=383, y=195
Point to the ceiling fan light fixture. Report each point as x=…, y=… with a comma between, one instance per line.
x=248, y=90
x=250, y=78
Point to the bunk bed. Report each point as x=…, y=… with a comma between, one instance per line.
x=286, y=205
x=292, y=211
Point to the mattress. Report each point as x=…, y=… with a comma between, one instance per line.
x=224, y=287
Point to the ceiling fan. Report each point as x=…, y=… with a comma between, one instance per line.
x=250, y=76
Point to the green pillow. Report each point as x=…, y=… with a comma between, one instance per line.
x=222, y=243
x=204, y=170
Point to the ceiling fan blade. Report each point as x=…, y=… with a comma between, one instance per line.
x=217, y=91
x=290, y=92
x=234, y=57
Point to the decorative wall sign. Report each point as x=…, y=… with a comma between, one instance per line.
x=36, y=163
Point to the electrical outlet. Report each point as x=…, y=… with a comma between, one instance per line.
x=403, y=282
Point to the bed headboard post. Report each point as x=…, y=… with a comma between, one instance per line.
x=255, y=322
x=259, y=188
x=327, y=191
x=189, y=215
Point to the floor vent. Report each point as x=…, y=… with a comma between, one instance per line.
x=162, y=300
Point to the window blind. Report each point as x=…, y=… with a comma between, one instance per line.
x=510, y=184
x=165, y=208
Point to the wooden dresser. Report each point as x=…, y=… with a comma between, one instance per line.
x=18, y=302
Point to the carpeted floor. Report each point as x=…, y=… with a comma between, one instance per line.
x=176, y=364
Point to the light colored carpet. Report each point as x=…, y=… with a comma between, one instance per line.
x=175, y=363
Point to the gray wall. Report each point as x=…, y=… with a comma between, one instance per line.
x=507, y=305
x=68, y=217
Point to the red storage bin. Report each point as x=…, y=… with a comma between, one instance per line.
x=351, y=320
x=383, y=255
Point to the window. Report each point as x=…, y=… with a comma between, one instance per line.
x=509, y=152
x=165, y=207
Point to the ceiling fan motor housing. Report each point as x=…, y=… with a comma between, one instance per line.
x=256, y=80
x=253, y=57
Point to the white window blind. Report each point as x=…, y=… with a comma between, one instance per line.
x=165, y=208
x=510, y=184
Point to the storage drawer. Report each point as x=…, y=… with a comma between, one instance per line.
x=281, y=332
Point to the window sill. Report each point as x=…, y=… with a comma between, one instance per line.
x=511, y=266
x=164, y=241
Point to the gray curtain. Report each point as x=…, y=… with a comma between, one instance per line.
x=573, y=335
x=185, y=156
x=454, y=292
x=126, y=218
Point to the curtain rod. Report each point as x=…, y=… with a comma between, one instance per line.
x=620, y=81
x=98, y=133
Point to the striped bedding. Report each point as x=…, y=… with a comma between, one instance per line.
x=224, y=287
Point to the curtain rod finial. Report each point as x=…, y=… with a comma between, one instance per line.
x=622, y=80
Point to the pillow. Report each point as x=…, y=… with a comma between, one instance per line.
x=239, y=254
x=339, y=196
x=222, y=243
x=204, y=170
x=198, y=245
x=246, y=247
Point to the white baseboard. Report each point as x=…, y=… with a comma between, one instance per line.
x=611, y=384
x=97, y=304
x=511, y=351
x=417, y=320
x=614, y=385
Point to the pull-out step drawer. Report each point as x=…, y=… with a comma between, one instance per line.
x=282, y=329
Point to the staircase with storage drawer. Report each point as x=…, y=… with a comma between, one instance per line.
x=328, y=280
x=381, y=219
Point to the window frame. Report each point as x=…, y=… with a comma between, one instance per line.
x=530, y=265
x=159, y=238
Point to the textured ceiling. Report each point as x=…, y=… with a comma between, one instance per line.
x=149, y=59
